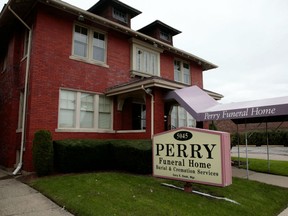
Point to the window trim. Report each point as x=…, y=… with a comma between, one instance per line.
x=77, y=127
x=178, y=119
x=119, y=18
x=90, y=34
x=165, y=36
x=182, y=62
x=137, y=44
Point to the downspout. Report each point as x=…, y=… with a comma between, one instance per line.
x=148, y=91
x=19, y=166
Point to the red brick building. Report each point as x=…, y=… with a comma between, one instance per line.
x=87, y=74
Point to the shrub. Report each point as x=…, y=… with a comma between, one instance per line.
x=134, y=156
x=82, y=155
x=43, y=152
x=259, y=138
x=90, y=155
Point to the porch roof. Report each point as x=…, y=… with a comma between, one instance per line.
x=139, y=84
x=203, y=107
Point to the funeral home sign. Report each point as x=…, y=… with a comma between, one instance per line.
x=193, y=155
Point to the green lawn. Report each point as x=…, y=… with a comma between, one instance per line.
x=110, y=193
x=259, y=165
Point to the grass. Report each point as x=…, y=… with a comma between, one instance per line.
x=110, y=193
x=259, y=165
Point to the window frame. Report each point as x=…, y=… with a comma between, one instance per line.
x=20, y=112
x=139, y=45
x=90, y=46
x=120, y=15
x=182, y=71
x=165, y=36
x=77, y=118
x=187, y=117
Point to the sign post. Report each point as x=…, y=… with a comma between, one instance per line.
x=193, y=155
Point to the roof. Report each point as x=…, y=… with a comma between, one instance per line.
x=102, y=4
x=160, y=25
x=23, y=7
x=203, y=107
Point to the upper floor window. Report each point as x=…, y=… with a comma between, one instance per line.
x=165, y=36
x=89, y=44
x=182, y=72
x=146, y=60
x=120, y=15
x=79, y=110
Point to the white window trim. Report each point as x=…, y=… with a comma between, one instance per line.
x=182, y=71
x=77, y=109
x=116, y=16
x=178, y=118
x=89, y=59
x=20, y=112
x=137, y=44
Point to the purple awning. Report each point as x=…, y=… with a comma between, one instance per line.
x=204, y=108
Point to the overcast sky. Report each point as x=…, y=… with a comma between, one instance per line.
x=247, y=39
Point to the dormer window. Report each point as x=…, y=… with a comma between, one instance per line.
x=120, y=15
x=165, y=36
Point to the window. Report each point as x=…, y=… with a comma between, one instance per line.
x=146, y=60
x=181, y=118
x=119, y=15
x=182, y=72
x=3, y=63
x=165, y=36
x=89, y=44
x=26, y=42
x=20, y=112
x=138, y=116
x=79, y=110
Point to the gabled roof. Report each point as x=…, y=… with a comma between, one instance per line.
x=160, y=25
x=103, y=4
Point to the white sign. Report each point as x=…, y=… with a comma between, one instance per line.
x=193, y=155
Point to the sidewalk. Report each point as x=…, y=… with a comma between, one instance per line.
x=17, y=198
x=275, y=153
x=281, y=181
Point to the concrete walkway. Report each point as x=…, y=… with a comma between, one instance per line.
x=18, y=199
x=275, y=153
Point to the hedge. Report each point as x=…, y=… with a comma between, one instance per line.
x=92, y=155
x=259, y=138
x=42, y=152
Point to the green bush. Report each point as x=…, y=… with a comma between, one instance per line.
x=259, y=138
x=82, y=155
x=90, y=155
x=43, y=152
x=134, y=156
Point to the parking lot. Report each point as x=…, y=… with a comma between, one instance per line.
x=275, y=152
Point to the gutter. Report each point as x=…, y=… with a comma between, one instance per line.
x=19, y=166
x=148, y=91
